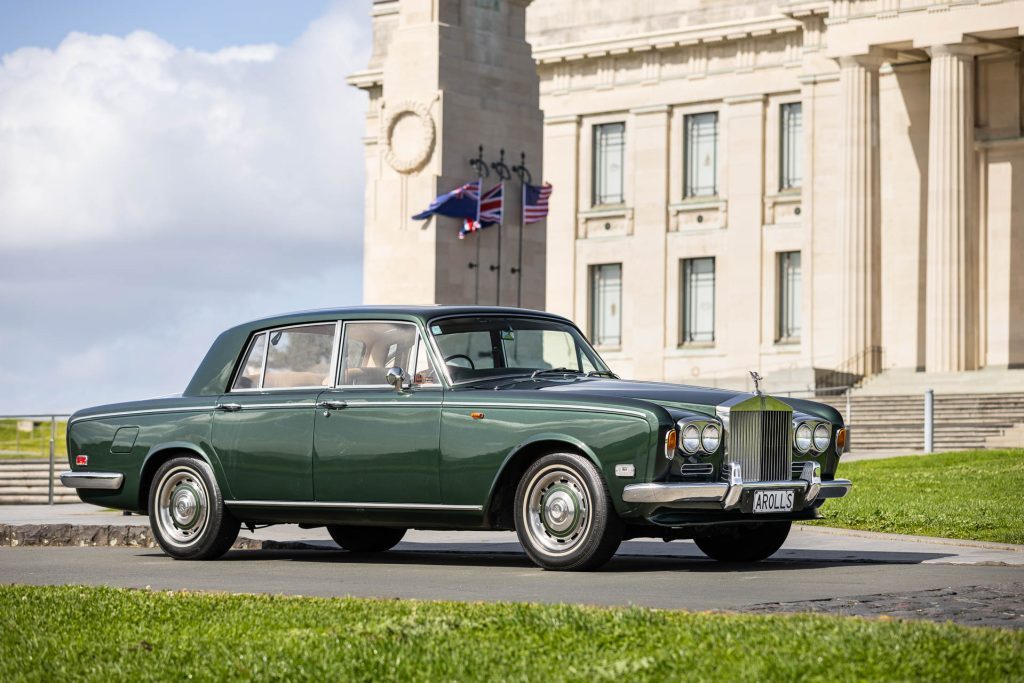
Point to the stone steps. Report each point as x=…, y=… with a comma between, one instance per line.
x=24, y=482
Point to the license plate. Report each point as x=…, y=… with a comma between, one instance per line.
x=773, y=501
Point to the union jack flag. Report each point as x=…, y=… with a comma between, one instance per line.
x=489, y=210
x=535, y=202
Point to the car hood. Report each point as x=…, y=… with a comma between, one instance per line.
x=677, y=396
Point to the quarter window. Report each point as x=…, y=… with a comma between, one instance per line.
x=789, y=296
x=609, y=157
x=249, y=374
x=791, y=150
x=698, y=298
x=299, y=357
x=701, y=155
x=606, y=304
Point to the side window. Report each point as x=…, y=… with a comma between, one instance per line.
x=370, y=349
x=299, y=357
x=249, y=374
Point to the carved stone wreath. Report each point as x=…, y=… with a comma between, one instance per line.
x=408, y=160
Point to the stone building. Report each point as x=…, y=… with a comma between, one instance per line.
x=815, y=188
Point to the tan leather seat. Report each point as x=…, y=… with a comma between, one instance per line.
x=365, y=376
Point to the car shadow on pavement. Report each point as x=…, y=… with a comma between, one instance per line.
x=485, y=555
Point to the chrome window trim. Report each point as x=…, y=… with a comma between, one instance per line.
x=528, y=316
x=415, y=352
x=349, y=505
x=266, y=353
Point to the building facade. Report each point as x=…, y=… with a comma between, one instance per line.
x=815, y=189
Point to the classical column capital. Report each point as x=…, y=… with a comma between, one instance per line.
x=958, y=50
x=870, y=60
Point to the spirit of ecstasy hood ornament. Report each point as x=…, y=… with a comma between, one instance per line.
x=757, y=381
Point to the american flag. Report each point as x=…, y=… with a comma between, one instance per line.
x=535, y=202
x=489, y=212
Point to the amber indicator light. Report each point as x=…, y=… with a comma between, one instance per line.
x=477, y=416
x=841, y=439
x=671, y=440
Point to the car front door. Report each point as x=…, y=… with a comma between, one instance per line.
x=263, y=427
x=373, y=444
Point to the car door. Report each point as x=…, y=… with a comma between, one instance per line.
x=373, y=444
x=263, y=427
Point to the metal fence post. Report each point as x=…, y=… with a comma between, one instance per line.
x=53, y=440
x=847, y=417
x=929, y=421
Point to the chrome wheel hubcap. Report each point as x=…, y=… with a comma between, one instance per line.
x=557, y=511
x=182, y=506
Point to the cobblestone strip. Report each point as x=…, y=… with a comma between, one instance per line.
x=129, y=535
x=1000, y=606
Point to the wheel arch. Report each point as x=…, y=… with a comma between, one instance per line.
x=160, y=454
x=501, y=498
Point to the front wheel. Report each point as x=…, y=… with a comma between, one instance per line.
x=751, y=542
x=365, y=539
x=564, y=516
x=187, y=513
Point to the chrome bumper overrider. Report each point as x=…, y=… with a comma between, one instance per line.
x=109, y=481
x=729, y=493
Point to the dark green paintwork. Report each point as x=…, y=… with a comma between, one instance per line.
x=420, y=446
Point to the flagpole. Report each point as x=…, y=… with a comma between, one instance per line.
x=481, y=172
x=524, y=178
x=504, y=174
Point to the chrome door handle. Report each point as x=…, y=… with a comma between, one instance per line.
x=229, y=407
x=332, y=405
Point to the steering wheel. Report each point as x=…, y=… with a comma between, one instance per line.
x=472, y=365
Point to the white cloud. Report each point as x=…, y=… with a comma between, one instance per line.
x=151, y=196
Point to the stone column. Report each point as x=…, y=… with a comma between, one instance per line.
x=950, y=302
x=860, y=304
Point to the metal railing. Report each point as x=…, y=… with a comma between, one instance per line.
x=37, y=420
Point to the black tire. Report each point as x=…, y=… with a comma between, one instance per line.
x=365, y=539
x=187, y=512
x=744, y=542
x=564, y=516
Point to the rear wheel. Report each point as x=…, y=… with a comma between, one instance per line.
x=744, y=542
x=365, y=539
x=564, y=516
x=187, y=513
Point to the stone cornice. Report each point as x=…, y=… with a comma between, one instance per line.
x=367, y=79
x=663, y=40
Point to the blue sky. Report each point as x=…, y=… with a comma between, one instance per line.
x=167, y=170
x=204, y=25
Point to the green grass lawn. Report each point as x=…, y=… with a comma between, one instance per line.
x=970, y=494
x=34, y=444
x=103, y=634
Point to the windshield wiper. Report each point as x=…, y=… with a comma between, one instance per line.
x=555, y=371
x=602, y=373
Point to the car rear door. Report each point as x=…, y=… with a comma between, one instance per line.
x=263, y=427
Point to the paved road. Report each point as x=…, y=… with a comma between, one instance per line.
x=814, y=565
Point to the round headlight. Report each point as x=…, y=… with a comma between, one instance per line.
x=803, y=437
x=710, y=438
x=821, y=437
x=691, y=438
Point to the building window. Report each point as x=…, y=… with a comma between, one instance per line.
x=609, y=156
x=701, y=152
x=789, y=296
x=698, y=297
x=790, y=146
x=606, y=304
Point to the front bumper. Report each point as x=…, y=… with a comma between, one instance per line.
x=105, y=481
x=729, y=493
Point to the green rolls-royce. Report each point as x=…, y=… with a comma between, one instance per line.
x=370, y=421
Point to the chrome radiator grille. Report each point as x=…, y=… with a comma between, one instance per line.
x=759, y=441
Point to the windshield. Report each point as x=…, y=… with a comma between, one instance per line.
x=481, y=347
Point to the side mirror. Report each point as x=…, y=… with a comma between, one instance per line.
x=396, y=378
